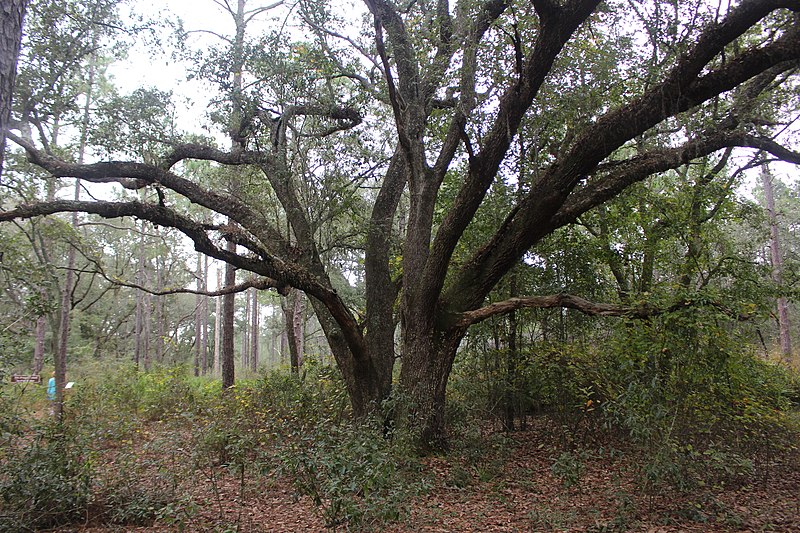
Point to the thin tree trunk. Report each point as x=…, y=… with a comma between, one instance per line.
x=161, y=331
x=69, y=282
x=139, y=335
x=254, y=331
x=198, y=319
x=285, y=346
x=246, y=332
x=777, y=263
x=228, y=300
x=298, y=325
x=292, y=313
x=204, y=318
x=218, y=327
x=147, y=317
x=512, y=363
x=38, y=350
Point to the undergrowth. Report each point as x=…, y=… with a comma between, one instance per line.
x=686, y=401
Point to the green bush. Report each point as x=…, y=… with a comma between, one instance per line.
x=685, y=388
x=45, y=484
x=352, y=473
x=138, y=490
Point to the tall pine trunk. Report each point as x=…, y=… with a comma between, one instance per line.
x=198, y=318
x=254, y=329
x=218, y=327
x=777, y=264
x=204, y=319
x=246, y=332
x=227, y=347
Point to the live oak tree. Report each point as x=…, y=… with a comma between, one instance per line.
x=445, y=91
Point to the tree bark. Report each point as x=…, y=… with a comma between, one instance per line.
x=12, y=14
x=777, y=264
x=160, y=302
x=204, y=319
x=427, y=361
x=227, y=350
x=254, y=330
x=291, y=306
x=198, y=317
x=38, y=350
x=246, y=332
x=218, y=327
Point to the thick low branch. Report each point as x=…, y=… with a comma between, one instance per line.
x=553, y=301
x=569, y=301
x=203, y=152
x=265, y=265
x=137, y=175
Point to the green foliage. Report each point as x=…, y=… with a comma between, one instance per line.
x=351, y=472
x=296, y=425
x=46, y=483
x=137, y=492
x=685, y=388
x=569, y=468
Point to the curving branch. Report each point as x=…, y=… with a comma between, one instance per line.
x=684, y=87
x=134, y=176
x=263, y=263
x=254, y=283
x=616, y=176
x=641, y=311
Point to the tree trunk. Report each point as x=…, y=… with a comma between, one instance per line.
x=204, y=319
x=139, y=335
x=218, y=327
x=284, y=344
x=38, y=350
x=512, y=356
x=228, y=302
x=427, y=361
x=777, y=264
x=254, y=331
x=12, y=14
x=198, y=318
x=147, y=317
x=161, y=318
x=246, y=332
x=290, y=306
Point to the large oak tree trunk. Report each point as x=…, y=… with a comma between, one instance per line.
x=12, y=13
x=427, y=360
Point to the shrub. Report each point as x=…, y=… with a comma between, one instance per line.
x=45, y=484
x=351, y=472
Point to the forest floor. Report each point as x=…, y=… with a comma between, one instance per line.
x=518, y=489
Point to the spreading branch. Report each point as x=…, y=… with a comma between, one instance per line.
x=568, y=301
